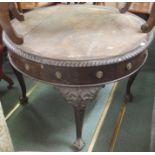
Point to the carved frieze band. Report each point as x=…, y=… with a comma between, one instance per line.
x=79, y=96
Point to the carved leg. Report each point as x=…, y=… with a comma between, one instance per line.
x=8, y=79
x=129, y=96
x=79, y=116
x=6, y=25
x=79, y=97
x=23, y=98
x=150, y=22
x=15, y=12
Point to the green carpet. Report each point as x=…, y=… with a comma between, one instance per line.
x=105, y=136
x=47, y=122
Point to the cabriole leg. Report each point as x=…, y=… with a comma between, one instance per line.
x=79, y=116
x=129, y=96
x=23, y=98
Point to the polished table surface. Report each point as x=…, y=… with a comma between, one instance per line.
x=79, y=49
x=73, y=32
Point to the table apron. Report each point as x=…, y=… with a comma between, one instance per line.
x=77, y=76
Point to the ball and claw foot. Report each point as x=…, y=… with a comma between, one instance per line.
x=78, y=144
x=128, y=98
x=23, y=100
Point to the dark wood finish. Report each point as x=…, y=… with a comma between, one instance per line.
x=79, y=116
x=99, y=3
x=147, y=27
x=78, y=75
x=128, y=95
x=23, y=98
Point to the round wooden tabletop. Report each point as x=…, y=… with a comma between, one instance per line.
x=80, y=32
x=79, y=45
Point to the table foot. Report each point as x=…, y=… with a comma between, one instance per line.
x=23, y=99
x=79, y=116
x=79, y=97
x=78, y=144
x=129, y=96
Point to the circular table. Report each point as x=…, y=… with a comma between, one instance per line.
x=78, y=49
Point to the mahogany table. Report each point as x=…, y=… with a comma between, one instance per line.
x=78, y=49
